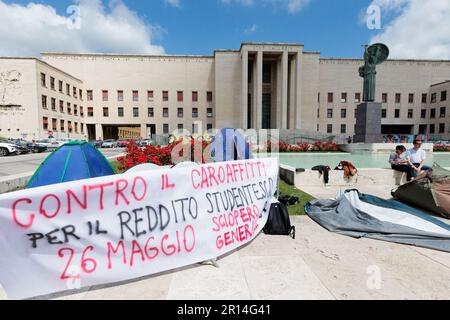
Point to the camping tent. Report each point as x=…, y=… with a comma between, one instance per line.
x=72, y=161
x=431, y=193
x=229, y=145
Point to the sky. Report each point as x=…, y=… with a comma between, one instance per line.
x=336, y=28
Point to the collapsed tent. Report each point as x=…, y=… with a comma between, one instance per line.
x=229, y=145
x=70, y=162
x=431, y=193
x=365, y=216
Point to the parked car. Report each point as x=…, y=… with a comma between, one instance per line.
x=37, y=148
x=96, y=143
x=22, y=147
x=62, y=142
x=123, y=143
x=49, y=143
x=7, y=148
x=146, y=142
x=109, y=143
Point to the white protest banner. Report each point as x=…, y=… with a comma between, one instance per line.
x=122, y=227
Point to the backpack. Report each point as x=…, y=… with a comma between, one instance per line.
x=279, y=222
x=288, y=200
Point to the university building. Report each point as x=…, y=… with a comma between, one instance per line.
x=261, y=86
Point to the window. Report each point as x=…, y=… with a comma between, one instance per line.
x=69, y=126
x=433, y=97
x=318, y=113
x=68, y=89
x=136, y=112
x=54, y=124
x=209, y=96
x=344, y=97
x=442, y=112
x=194, y=112
x=433, y=113
x=90, y=112
x=53, y=104
x=44, y=102
x=411, y=98
x=398, y=98
x=89, y=95
x=52, y=83
x=61, y=106
x=194, y=128
x=151, y=112
x=410, y=113
x=343, y=113
x=209, y=126
x=81, y=113
x=209, y=112
x=180, y=126
x=357, y=97
x=60, y=86
x=383, y=113
x=165, y=112
x=422, y=129
x=397, y=113
x=194, y=96
x=62, y=125
x=106, y=112
x=120, y=112
x=135, y=96
x=442, y=128
x=120, y=95
x=424, y=97
x=45, y=123
x=318, y=97
x=105, y=95
x=384, y=98
x=329, y=128
x=432, y=129
x=82, y=127
x=75, y=109
x=74, y=92
x=444, y=96
x=330, y=97
x=81, y=94
x=150, y=96
x=69, y=109
x=343, y=128
x=76, y=127
x=180, y=113
x=267, y=73
x=165, y=128
x=423, y=113
x=329, y=113
x=180, y=96
x=43, y=80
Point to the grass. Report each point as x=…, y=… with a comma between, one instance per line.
x=285, y=189
x=304, y=197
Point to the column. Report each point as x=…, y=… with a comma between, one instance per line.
x=144, y=131
x=259, y=90
x=98, y=131
x=284, y=90
x=244, y=89
x=298, y=84
x=292, y=94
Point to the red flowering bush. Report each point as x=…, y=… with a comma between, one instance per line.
x=441, y=148
x=301, y=147
x=162, y=156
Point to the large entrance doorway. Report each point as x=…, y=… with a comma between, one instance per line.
x=397, y=129
x=266, y=111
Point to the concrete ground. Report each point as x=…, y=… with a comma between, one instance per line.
x=14, y=165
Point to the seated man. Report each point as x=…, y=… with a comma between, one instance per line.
x=417, y=157
x=399, y=163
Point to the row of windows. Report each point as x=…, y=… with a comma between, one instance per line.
x=151, y=112
x=62, y=107
x=150, y=96
x=70, y=90
x=180, y=126
x=423, y=113
x=53, y=126
x=385, y=96
x=422, y=128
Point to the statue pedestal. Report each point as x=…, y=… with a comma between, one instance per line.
x=368, y=123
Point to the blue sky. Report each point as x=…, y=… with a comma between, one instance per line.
x=336, y=28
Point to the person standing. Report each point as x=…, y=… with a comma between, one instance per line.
x=417, y=157
x=399, y=162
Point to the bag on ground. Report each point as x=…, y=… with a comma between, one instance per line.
x=279, y=222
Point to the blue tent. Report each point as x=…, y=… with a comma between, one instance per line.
x=70, y=162
x=229, y=145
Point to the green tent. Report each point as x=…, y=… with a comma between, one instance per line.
x=430, y=192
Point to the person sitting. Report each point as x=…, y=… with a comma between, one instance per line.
x=400, y=163
x=417, y=157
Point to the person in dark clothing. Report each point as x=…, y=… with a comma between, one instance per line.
x=400, y=163
x=325, y=170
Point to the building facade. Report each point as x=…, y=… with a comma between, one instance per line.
x=260, y=86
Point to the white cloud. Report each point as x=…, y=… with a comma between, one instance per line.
x=292, y=6
x=27, y=30
x=173, y=3
x=420, y=30
x=251, y=29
